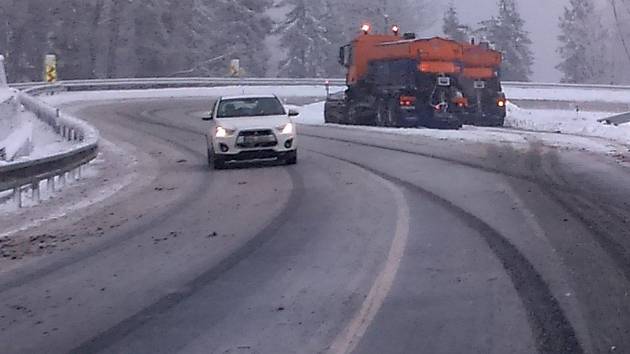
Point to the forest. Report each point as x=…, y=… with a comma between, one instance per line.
x=288, y=38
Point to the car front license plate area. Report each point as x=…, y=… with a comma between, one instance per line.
x=256, y=139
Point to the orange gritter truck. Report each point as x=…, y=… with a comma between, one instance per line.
x=402, y=81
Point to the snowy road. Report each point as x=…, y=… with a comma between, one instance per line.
x=372, y=243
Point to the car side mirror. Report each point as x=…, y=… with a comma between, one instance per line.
x=293, y=113
x=207, y=117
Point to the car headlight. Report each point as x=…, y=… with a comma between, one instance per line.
x=222, y=132
x=286, y=129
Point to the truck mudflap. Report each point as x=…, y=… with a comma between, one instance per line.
x=335, y=109
x=443, y=120
x=483, y=120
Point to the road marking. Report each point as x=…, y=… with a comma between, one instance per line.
x=349, y=338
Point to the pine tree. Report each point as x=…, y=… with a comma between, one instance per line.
x=28, y=39
x=508, y=35
x=583, y=43
x=381, y=15
x=305, y=37
x=451, y=27
x=70, y=39
x=150, y=39
x=227, y=29
x=177, y=21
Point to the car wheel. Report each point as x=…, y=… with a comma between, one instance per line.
x=210, y=160
x=219, y=163
x=216, y=162
x=291, y=158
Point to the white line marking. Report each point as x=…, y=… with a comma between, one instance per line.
x=349, y=338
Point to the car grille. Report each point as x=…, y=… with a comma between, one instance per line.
x=253, y=155
x=251, y=139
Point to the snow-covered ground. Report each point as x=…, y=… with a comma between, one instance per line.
x=15, y=132
x=8, y=110
x=45, y=140
x=22, y=135
x=562, y=129
x=568, y=94
x=565, y=128
x=114, y=165
x=567, y=122
x=41, y=137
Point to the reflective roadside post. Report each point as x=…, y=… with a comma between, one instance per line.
x=327, y=83
x=3, y=83
x=577, y=111
x=3, y=73
x=50, y=68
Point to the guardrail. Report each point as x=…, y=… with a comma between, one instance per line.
x=143, y=83
x=24, y=174
x=156, y=83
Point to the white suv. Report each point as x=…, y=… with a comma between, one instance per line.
x=249, y=128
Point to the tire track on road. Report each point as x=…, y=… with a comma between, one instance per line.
x=127, y=326
x=454, y=161
x=552, y=330
x=348, y=340
x=161, y=218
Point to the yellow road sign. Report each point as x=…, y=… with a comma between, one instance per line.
x=50, y=74
x=235, y=67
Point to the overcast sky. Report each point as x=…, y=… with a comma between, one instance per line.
x=541, y=20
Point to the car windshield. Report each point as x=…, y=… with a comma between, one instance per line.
x=250, y=107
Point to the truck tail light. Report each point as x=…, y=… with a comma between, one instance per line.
x=407, y=101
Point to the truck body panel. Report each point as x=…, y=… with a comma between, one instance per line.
x=405, y=82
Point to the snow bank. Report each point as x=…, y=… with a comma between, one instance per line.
x=6, y=94
x=567, y=122
x=312, y=114
x=553, y=121
x=15, y=136
x=18, y=142
x=568, y=94
x=545, y=124
x=8, y=109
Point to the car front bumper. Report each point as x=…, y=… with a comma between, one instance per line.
x=228, y=149
x=257, y=155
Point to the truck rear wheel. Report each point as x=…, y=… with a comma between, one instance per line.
x=330, y=116
x=393, y=113
x=382, y=114
x=388, y=113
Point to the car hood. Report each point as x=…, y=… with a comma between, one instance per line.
x=247, y=123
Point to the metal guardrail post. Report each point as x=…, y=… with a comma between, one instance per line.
x=50, y=185
x=36, y=194
x=17, y=196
